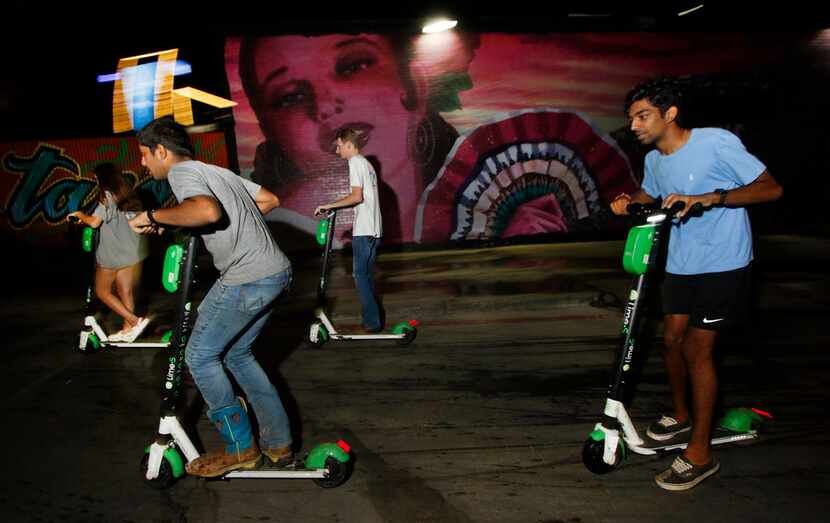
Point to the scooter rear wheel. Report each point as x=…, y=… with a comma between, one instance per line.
x=408, y=337
x=338, y=473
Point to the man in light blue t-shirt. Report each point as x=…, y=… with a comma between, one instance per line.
x=708, y=267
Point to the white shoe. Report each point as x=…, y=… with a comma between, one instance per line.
x=131, y=335
x=118, y=336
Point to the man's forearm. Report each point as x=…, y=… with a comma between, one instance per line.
x=763, y=189
x=349, y=201
x=193, y=212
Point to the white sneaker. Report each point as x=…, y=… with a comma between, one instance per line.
x=136, y=331
x=118, y=336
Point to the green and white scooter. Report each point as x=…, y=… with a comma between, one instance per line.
x=322, y=329
x=92, y=336
x=607, y=445
x=328, y=464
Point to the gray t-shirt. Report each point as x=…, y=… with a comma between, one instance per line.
x=242, y=246
x=118, y=245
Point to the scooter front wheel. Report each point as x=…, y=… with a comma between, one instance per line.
x=88, y=343
x=317, y=334
x=592, y=456
x=338, y=473
x=165, y=478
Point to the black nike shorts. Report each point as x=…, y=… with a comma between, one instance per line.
x=713, y=301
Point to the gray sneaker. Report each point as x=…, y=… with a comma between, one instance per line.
x=683, y=475
x=666, y=428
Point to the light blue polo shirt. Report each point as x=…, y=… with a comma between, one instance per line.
x=721, y=239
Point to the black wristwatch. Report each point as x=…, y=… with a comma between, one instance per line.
x=722, y=199
x=152, y=218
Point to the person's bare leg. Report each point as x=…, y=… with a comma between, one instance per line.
x=126, y=281
x=698, y=347
x=104, y=280
x=674, y=336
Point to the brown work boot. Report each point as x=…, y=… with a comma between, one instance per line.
x=279, y=456
x=221, y=462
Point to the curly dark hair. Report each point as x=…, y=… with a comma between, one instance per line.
x=662, y=93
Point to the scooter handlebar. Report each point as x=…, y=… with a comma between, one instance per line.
x=645, y=209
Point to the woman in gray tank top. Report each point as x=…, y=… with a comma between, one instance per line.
x=120, y=251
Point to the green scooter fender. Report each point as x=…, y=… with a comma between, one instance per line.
x=317, y=457
x=174, y=459
x=741, y=420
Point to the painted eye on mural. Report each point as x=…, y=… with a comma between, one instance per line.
x=286, y=99
x=354, y=63
x=537, y=171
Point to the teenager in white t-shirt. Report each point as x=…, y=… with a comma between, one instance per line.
x=367, y=229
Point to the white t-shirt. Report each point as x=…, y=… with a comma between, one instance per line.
x=367, y=220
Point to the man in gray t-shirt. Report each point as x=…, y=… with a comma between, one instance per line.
x=226, y=210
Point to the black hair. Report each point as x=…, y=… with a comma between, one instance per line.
x=169, y=133
x=662, y=93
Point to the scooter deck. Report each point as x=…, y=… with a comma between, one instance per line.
x=719, y=436
x=267, y=469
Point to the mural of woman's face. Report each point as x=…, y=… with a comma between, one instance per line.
x=310, y=87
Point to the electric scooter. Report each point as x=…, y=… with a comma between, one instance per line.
x=92, y=336
x=328, y=464
x=606, y=446
x=322, y=329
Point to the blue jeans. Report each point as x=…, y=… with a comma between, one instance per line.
x=230, y=319
x=365, y=250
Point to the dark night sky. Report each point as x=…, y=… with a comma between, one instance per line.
x=48, y=87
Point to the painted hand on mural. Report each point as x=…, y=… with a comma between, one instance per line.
x=530, y=172
x=538, y=216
